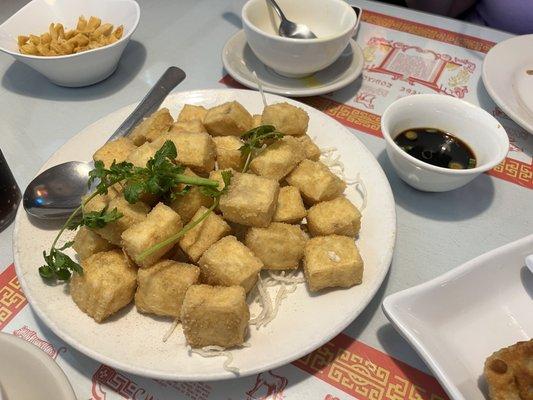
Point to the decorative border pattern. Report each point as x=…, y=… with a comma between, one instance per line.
x=427, y=31
x=12, y=300
x=368, y=374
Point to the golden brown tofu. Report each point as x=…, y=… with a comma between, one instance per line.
x=161, y=288
x=332, y=261
x=316, y=182
x=279, y=246
x=190, y=112
x=187, y=204
x=152, y=127
x=87, y=243
x=193, y=126
x=107, y=284
x=278, y=159
x=290, y=208
x=215, y=316
x=131, y=215
x=251, y=200
x=256, y=120
x=160, y=224
x=288, y=119
x=228, y=153
x=140, y=155
x=117, y=151
x=228, y=262
x=311, y=150
x=509, y=372
x=338, y=216
x=228, y=119
x=195, y=150
x=202, y=236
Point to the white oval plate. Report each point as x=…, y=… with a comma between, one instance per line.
x=504, y=74
x=24, y=362
x=240, y=62
x=132, y=342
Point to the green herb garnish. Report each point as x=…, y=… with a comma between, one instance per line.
x=254, y=141
x=206, y=191
x=96, y=219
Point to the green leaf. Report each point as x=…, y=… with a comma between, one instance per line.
x=99, y=219
x=66, y=245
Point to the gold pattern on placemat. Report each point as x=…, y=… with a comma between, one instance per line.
x=12, y=300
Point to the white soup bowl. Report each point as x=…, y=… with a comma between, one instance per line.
x=334, y=22
x=474, y=126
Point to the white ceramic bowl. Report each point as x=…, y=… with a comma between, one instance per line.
x=474, y=126
x=27, y=372
x=79, y=69
x=334, y=22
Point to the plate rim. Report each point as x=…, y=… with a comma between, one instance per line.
x=222, y=375
x=292, y=92
x=500, y=102
x=392, y=301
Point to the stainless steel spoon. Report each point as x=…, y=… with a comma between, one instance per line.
x=291, y=29
x=56, y=192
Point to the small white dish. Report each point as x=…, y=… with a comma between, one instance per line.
x=504, y=77
x=27, y=372
x=333, y=21
x=474, y=126
x=457, y=320
x=74, y=70
x=240, y=62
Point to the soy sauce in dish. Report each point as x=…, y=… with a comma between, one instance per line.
x=436, y=147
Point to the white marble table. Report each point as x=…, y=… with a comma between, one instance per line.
x=436, y=232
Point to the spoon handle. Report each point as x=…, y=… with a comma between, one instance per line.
x=151, y=102
x=277, y=8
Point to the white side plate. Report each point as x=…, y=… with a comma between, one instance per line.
x=457, y=320
x=132, y=342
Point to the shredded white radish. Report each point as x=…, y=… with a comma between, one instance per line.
x=170, y=330
x=265, y=302
x=260, y=86
x=216, y=351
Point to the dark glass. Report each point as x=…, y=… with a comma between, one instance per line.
x=9, y=194
x=436, y=147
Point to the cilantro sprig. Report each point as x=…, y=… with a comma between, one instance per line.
x=161, y=176
x=254, y=141
x=209, y=191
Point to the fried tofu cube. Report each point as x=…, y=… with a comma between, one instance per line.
x=152, y=127
x=338, y=216
x=332, y=261
x=187, y=204
x=117, y=150
x=106, y=285
x=160, y=224
x=190, y=112
x=217, y=176
x=215, y=316
x=195, y=150
x=228, y=119
x=256, y=120
x=202, y=236
x=290, y=208
x=87, y=243
x=279, y=246
x=288, y=119
x=97, y=203
x=193, y=126
x=228, y=153
x=161, y=288
x=140, y=155
x=131, y=215
x=311, y=150
x=251, y=200
x=228, y=262
x=316, y=182
x=278, y=159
